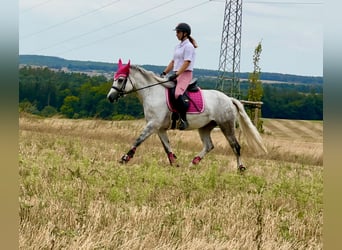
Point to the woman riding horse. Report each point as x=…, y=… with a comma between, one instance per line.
x=182, y=65
x=219, y=110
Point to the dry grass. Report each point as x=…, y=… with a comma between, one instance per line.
x=75, y=195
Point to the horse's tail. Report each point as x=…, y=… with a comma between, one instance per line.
x=248, y=129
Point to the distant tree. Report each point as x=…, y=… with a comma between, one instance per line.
x=70, y=106
x=255, y=91
x=104, y=109
x=76, y=95
x=48, y=111
x=27, y=107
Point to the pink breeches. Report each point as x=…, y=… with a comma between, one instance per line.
x=183, y=81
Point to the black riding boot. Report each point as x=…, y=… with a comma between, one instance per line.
x=182, y=107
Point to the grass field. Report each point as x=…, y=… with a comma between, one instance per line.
x=75, y=195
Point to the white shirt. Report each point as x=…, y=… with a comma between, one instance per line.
x=184, y=51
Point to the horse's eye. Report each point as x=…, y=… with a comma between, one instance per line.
x=121, y=80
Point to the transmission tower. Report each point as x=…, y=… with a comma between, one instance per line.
x=229, y=64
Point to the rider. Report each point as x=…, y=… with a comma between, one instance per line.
x=182, y=65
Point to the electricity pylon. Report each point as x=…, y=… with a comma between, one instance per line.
x=229, y=65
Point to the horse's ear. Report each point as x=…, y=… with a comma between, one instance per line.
x=119, y=63
x=129, y=63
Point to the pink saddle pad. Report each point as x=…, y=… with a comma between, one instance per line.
x=196, y=102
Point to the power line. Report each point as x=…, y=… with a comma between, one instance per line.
x=105, y=26
x=135, y=28
x=36, y=6
x=70, y=20
x=277, y=3
x=285, y=3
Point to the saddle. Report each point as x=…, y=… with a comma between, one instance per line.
x=193, y=95
x=171, y=93
x=192, y=86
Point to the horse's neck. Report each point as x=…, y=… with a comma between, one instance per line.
x=142, y=80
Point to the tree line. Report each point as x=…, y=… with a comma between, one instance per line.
x=74, y=65
x=47, y=92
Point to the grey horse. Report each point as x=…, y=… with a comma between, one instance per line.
x=220, y=110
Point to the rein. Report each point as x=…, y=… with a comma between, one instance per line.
x=122, y=92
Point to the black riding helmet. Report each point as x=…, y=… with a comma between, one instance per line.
x=183, y=27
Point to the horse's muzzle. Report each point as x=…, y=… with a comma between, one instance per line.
x=110, y=99
x=113, y=99
x=113, y=95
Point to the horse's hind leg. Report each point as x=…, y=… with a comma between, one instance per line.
x=204, y=133
x=166, y=144
x=228, y=130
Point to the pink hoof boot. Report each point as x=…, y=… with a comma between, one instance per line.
x=196, y=160
x=172, y=158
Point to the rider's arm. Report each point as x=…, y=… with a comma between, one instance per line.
x=169, y=67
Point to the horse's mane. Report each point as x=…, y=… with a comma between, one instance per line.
x=152, y=75
x=145, y=72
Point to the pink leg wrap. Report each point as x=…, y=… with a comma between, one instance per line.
x=172, y=158
x=128, y=156
x=196, y=160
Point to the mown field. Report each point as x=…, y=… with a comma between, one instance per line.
x=75, y=195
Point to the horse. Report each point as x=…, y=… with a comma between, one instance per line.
x=220, y=111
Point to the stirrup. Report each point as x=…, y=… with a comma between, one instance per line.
x=183, y=124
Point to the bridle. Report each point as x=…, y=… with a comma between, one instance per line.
x=121, y=91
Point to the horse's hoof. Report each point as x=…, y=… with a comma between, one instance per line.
x=196, y=160
x=242, y=168
x=124, y=159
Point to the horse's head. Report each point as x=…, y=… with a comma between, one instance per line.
x=119, y=87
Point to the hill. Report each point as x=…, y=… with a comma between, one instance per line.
x=102, y=67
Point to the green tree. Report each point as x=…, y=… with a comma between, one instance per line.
x=28, y=107
x=255, y=90
x=70, y=106
x=48, y=111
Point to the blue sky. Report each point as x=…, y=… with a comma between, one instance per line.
x=291, y=32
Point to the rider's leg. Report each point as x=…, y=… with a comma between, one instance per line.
x=183, y=82
x=182, y=107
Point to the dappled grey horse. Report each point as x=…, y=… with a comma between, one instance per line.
x=220, y=110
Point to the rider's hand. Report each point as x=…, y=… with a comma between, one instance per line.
x=163, y=74
x=172, y=77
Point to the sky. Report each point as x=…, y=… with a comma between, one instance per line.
x=290, y=32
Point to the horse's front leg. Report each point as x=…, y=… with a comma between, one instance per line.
x=166, y=144
x=148, y=130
